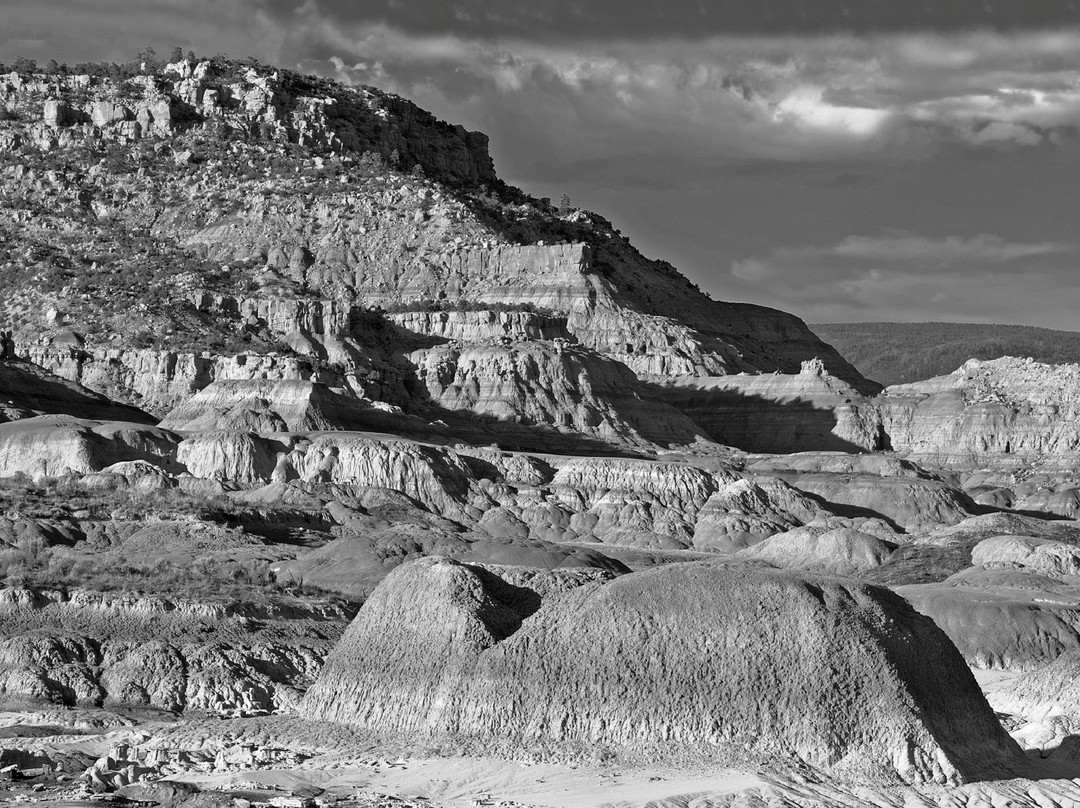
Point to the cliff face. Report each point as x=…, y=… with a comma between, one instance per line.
x=780, y=412
x=1008, y=412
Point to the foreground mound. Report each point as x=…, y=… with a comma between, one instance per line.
x=688, y=661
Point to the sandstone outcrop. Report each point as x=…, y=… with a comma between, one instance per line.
x=288, y=405
x=551, y=386
x=158, y=381
x=1009, y=408
x=482, y=665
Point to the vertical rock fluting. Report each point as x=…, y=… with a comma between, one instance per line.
x=687, y=661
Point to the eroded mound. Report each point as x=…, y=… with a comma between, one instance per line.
x=841, y=551
x=689, y=661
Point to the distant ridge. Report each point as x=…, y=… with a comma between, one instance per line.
x=895, y=353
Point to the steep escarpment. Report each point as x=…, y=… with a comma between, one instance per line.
x=1012, y=411
x=864, y=697
x=243, y=224
x=554, y=386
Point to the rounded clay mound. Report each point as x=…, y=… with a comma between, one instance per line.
x=694, y=661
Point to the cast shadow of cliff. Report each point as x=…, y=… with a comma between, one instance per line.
x=452, y=426
x=31, y=387
x=755, y=423
x=427, y=419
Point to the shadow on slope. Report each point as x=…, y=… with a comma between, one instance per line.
x=757, y=423
x=27, y=390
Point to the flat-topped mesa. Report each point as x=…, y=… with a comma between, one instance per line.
x=723, y=664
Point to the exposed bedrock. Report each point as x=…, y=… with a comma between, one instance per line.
x=649, y=504
x=688, y=661
x=92, y=649
x=779, y=413
x=617, y=303
x=156, y=381
x=481, y=326
x=1012, y=409
x=284, y=405
x=552, y=386
x=54, y=445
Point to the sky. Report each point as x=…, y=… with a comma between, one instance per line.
x=845, y=160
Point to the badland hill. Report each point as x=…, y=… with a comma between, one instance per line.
x=310, y=422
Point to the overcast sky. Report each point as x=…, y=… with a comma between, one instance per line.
x=841, y=159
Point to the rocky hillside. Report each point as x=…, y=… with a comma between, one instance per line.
x=205, y=221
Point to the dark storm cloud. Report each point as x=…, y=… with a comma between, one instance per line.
x=569, y=20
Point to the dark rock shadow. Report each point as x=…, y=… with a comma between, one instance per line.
x=31, y=387
x=755, y=423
